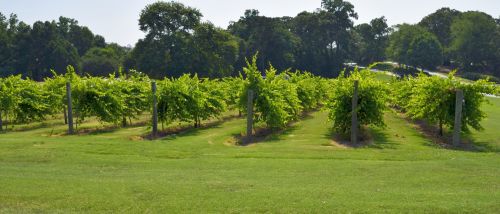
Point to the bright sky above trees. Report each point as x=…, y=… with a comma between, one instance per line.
x=117, y=21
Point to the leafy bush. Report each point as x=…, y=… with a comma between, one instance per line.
x=23, y=100
x=190, y=99
x=433, y=99
x=135, y=90
x=311, y=90
x=372, y=96
x=99, y=97
x=276, y=100
x=234, y=88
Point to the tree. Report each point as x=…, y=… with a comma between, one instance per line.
x=177, y=42
x=168, y=46
x=34, y=50
x=270, y=37
x=5, y=52
x=373, y=40
x=81, y=37
x=163, y=19
x=476, y=41
x=439, y=23
x=103, y=61
x=9, y=30
x=413, y=45
x=425, y=51
x=100, y=61
x=47, y=50
x=216, y=50
x=325, y=37
x=99, y=41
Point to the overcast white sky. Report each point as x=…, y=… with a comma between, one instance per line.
x=116, y=20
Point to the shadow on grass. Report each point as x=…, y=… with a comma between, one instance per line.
x=476, y=146
x=380, y=139
x=188, y=130
x=444, y=141
x=264, y=135
x=30, y=127
x=107, y=129
x=371, y=137
x=269, y=135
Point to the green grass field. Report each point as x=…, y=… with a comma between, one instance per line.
x=300, y=170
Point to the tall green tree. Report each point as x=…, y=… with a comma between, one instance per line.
x=425, y=51
x=100, y=61
x=372, y=40
x=217, y=50
x=168, y=47
x=271, y=37
x=476, y=41
x=413, y=45
x=177, y=42
x=325, y=37
x=47, y=50
x=80, y=36
x=439, y=23
x=164, y=19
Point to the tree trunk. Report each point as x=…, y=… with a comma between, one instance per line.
x=124, y=121
x=440, y=128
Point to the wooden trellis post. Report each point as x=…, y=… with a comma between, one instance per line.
x=1, y=122
x=354, y=117
x=155, y=110
x=457, y=129
x=249, y=116
x=70, y=108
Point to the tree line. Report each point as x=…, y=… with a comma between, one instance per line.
x=321, y=41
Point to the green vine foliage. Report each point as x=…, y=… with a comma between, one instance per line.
x=23, y=101
x=433, y=99
x=280, y=98
x=8, y=96
x=99, y=97
x=234, y=89
x=135, y=90
x=190, y=99
x=311, y=90
x=56, y=89
x=372, y=98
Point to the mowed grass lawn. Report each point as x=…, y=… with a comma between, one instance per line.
x=297, y=171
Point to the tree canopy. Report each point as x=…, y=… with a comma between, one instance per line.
x=323, y=41
x=413, y=45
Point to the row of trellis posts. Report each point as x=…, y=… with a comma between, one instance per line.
x=249, y=131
